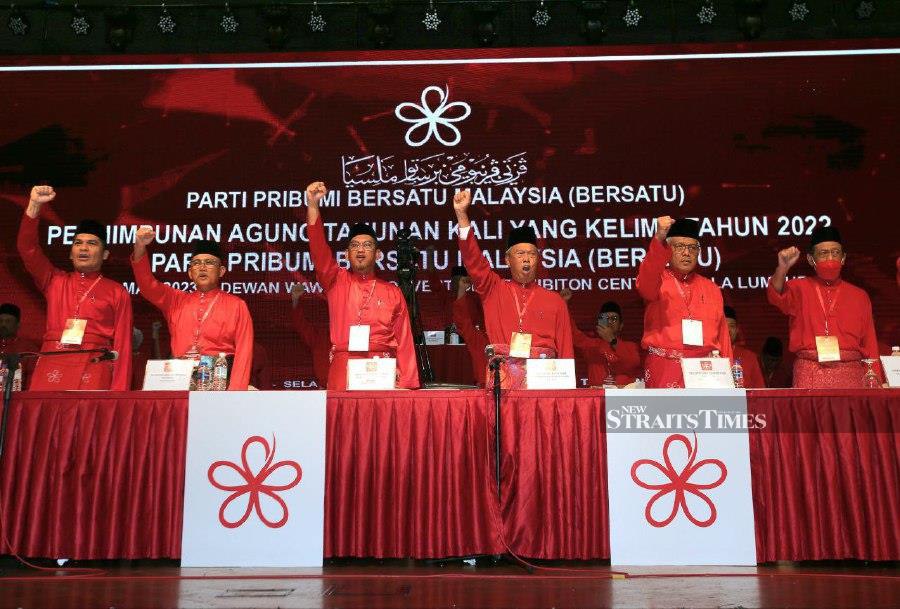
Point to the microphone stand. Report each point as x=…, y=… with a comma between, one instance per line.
x=494, y=365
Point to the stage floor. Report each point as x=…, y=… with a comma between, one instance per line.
x=349, y=584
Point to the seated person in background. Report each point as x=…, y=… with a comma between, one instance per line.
x=313, y=335
x=469, y=321
x=775, y=370
x=753, y=378
x=11, y=341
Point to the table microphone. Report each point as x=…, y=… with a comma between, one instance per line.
x=108, y=355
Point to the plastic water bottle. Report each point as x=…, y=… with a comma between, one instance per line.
x=895, y=351
x=715, y=353
x=204, y=375
x=4, y=372
x=17, y=378
x=220, y=374
x=737, y=373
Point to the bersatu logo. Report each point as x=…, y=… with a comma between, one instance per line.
x=436, y=122
x=678, y=482
x=254, y=486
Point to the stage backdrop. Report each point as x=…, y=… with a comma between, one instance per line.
x=760, y=142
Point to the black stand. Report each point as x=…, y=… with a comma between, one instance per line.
x=407, y=264
x=494, y=365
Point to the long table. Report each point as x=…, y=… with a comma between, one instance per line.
x=409, y=474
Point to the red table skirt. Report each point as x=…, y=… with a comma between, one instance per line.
x=100, y=475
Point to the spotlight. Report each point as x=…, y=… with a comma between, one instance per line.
x=383, y=14
x=593, y=26
x=485, y=26
x=119, y=27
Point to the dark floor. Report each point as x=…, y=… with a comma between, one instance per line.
x=349, y=584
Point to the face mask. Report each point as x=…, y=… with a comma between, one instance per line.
x=828, y=270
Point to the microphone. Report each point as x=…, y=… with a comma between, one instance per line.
x=107, y=355
x=489, y=351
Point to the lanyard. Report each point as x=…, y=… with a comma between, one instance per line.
x=200, y=320
x=85, y=295
x=830, y=310
x=365, y=302
x=521, y=309
x=685, y=298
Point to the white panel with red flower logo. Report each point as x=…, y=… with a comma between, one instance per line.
x=679, y=477
x=255, y=479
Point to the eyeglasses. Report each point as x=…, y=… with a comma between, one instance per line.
x=609, y=318
x=832, y=253
x=686, y=247
x=198, y=262
x=365, y=245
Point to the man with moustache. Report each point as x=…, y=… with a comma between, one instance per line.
x=831, y=324
x=368, y=315
x=684, y=314
x=84, y=309
x=207, y=321
x=522, y=319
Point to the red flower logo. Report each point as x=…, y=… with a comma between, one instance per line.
x=254, y=485
x=679, y=482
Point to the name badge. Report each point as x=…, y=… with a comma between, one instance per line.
x=520, y=345
x=828, y=349
x=359, y=338
x=73, y=333
x=692, y=332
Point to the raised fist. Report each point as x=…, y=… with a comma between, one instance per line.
x=314, y=193
x=145, y=235
x=663, y=224
x=462, y=200
x=42, y=194
x=788, y=257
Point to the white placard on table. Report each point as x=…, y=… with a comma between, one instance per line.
x=168, y=374
x=254, y=485
x=375, y=374
x=550, y=373
x=707, y=373
x=434, y=337
x=891, y=366
x=678, y=471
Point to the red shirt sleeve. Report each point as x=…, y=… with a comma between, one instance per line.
x=483, y=276
x=121, y=379
x=322, y=257
x=786, y=301
x=163, y=297
x=650, y=272
x=31, y=253
x=303, y=326
x=407, y=365
x=243, y=350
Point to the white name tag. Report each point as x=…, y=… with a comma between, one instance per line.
x=359, y=338
x=692, y=332
x=73, y=333
x=168, y=375
x=378, y=373
x=520, y=345
x=891, y=365
x=707, y=372
x=550, y=374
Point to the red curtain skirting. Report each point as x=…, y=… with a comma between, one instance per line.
x=826, y=484
x=100, y=475
x=94, y=475
x=409, y=474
